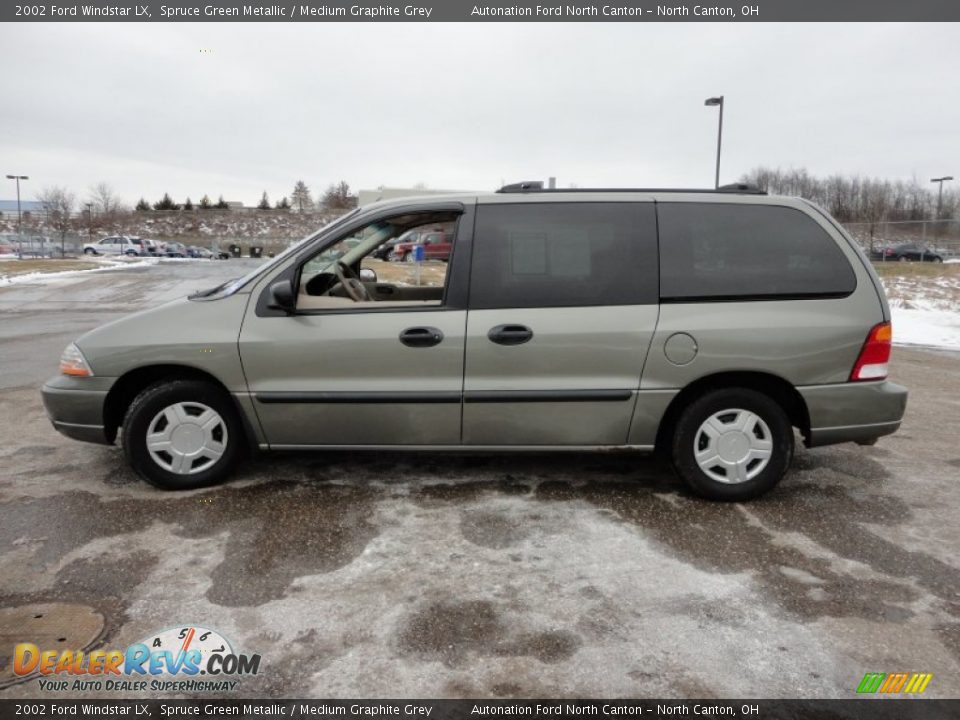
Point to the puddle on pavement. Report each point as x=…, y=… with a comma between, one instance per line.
x=454, y=632
x=277, y=531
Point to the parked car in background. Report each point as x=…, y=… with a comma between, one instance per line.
x=152, y=247
x=175, y=249
x=906, y=252
x=195, y=251
x=436, y=246
x=116, y=245
x=384, y=251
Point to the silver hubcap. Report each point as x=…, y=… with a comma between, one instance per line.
x=733, y=446
x=187, y=438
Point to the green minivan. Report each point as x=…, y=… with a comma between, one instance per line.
x=709, y=325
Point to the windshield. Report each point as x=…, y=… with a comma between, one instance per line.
x=231, y=286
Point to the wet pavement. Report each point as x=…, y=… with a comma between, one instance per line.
x=388, y=574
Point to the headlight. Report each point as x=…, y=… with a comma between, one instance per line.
x=72, y=362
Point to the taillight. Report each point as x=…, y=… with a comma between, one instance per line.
x=873, y=361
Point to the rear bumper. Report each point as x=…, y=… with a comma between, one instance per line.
x=75, y=407
x=853, y=412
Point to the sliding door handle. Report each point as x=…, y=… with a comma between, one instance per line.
x=510, y=334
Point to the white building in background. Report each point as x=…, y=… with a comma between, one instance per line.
x=27, y=207
x=365, y=197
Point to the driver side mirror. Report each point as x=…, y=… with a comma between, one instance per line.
x=368, y=275
x=282, y=297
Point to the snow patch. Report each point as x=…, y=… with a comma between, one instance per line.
x=34, y=277
x=927, y=327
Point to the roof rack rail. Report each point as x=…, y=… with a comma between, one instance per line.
x=747, y=188
x=536, y=186
x=525, y=186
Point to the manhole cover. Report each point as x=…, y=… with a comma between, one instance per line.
x=49, y=626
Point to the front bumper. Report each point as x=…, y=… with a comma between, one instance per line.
x=853, y=412
x=75, y=407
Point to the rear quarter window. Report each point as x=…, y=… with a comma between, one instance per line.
x=741, y=252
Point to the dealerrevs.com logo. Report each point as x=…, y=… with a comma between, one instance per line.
x=183, y=659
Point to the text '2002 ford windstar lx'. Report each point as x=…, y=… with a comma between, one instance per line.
x=707, y=324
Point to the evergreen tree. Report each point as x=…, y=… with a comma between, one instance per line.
x=188, y=205
x=284, y=204
x=143, y=205
x=166, y=203
x=301, y=197
x=205, y=203
x=222, y=204
x=264, y=202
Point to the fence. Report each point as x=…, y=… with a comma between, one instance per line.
x=42, y=245
x=35, y=245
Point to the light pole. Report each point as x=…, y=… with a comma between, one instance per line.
x=18, y=178
x=710, y=102
x=940, y=180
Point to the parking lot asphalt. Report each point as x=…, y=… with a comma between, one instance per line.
x=436, y=575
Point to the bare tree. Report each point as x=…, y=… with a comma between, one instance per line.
x=58, y=204
x=338, y=197
x=105, y=201
x=850, y=198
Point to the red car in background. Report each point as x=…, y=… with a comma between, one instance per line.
x=437, y=245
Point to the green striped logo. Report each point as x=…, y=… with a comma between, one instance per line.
x=891, y=683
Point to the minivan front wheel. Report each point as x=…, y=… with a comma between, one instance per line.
x=732, y=444
x=182, y=434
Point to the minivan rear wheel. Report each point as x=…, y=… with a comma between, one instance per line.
x=732, y=444
x=182, y=434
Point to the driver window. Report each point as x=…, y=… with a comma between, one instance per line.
x=396, y=262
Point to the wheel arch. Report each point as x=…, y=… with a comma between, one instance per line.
x=132, y=383
x=773, y=386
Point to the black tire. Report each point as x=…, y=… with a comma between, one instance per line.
x=686, y=435
x=156, y=398
x=89, y=251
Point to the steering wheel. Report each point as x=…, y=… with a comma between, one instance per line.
x=350, y=282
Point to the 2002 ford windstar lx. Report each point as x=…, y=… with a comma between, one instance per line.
x=707, y=324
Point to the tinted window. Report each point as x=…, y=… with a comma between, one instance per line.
x=564, y=254
x=747, y=251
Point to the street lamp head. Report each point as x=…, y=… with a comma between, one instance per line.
x=942, y=179
x=17, y=177
x=714, y=101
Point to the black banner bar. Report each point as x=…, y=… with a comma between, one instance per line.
x=478, y=11
x=874, y=708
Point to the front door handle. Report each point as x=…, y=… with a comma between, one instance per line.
x=510, y=334
x=421, y=336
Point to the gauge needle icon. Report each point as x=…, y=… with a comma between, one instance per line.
x=186, y=640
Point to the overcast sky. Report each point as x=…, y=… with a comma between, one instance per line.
x=466, y=106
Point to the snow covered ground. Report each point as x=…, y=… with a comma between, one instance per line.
x=926, y=310
x=930, y=328
x=105, y=265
